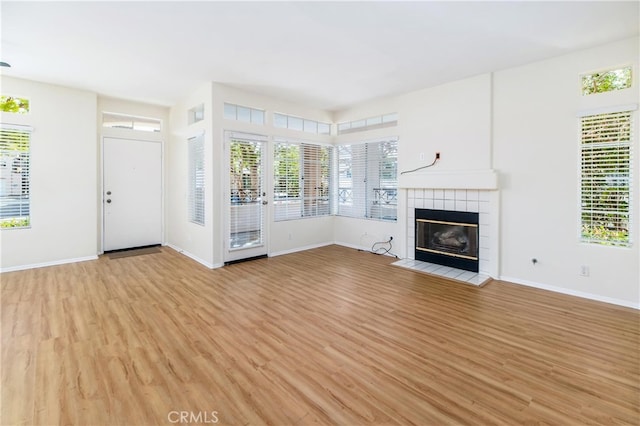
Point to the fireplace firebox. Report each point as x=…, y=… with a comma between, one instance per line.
x=447, y=238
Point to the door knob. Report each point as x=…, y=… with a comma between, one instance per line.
x=265, y=202
x=108, y=192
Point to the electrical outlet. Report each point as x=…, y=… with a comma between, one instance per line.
x=584, y=270
x=437, y=155
x=422, y=156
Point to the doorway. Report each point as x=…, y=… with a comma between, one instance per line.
x=247, y=196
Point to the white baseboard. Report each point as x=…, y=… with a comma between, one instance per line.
x=194, y=257
x=297, y=249
x=570, y=292
x=45, y=264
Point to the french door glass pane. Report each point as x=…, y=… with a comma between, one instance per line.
x=246, y=191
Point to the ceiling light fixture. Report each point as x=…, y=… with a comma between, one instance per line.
x=4, y=64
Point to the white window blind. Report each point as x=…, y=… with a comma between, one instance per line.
x=196, y=180
x=367, y=179
x=316, y=160
x=302, y=180
x=15, y=176
x=246, y=180
x=606, y=178
x=287, y=191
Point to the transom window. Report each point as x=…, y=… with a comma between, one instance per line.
x=292, y=122
x=14, y=104
x=130, y=122
x=606, y=81
x=377, y=122
x=243, y=113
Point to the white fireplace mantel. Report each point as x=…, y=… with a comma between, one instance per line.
x=450, y=179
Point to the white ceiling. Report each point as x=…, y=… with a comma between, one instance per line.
x=328, y=55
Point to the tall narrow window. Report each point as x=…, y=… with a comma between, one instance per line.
x=301, y=180
x=315, y=177
x=367, y=180
x=196, y=180
x=605, y=178
x=15, y=176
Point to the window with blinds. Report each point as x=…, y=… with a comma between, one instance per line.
x=196, y=179
x=15, y=176
x=606, y=178
x=302, y=180
x=368, y=180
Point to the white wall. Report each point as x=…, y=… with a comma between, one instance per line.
x=64, y=176
x=194, y=240
x=536, y=150
x=453, y=119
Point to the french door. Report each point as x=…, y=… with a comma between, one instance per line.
x=246, y=196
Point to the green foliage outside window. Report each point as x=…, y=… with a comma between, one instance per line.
x=606, y=81
x=15, y=222
x=14, y=105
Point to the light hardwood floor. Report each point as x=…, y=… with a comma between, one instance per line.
x=326, y=336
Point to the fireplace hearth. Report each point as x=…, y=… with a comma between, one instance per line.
x=447, y=238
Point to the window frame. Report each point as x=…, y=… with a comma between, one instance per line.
x=196, y=190
x=13, y=222
x=588, y=187
x=310, y=203
x=361, y=198
x=603, y=72
x=21, y=111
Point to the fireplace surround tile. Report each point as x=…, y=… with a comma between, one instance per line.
x=469, y=200
x=461, y=206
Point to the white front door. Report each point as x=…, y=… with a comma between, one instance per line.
x=246, y=196
x=132, y=193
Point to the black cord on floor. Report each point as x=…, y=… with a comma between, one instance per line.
x=383, y=250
